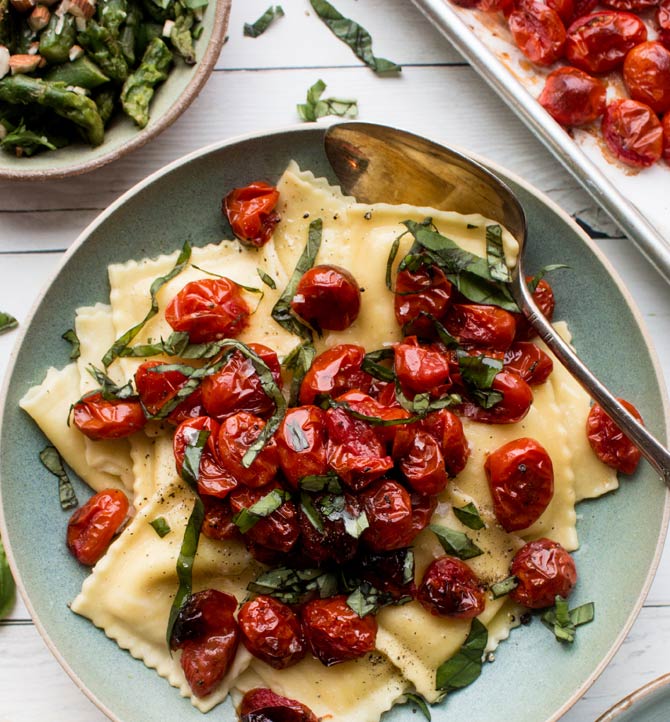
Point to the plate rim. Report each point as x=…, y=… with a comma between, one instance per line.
x=314, y=129
x=627, y=702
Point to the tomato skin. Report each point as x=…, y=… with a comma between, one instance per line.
x=302, y=425
x=279, y=531
x=354, y=453
x=251, y=212
x=327, y=297
x=366, y=405
x=271, y=631
x=236, y=435
x=388, y=508
x=447, y=429
x=663, y=21
x=543, y=295
x=666, y=137
x=264, y=705
x=331, y=543
x=208, y=310
x=420, y=368
x=598, y=43
x=544, y=570
x=92, y=526
x=633, y=133
x=421, y=462
x=420, y=293
x=521, y=480
x=609, y=443
x=237, y=386
x=155, y=389
x=386, y=572
x=213, y=478
x=529, y=362
x=634, y=6
x=334, y=372
x=451, y=589
x=538, y=32
x=572, y=97
x=207, y=634
x=481, y=326
x=335, y=633
x=99, y=419
x=583, y=7
x=646, y=72
x=218, y=522
x=517, y=400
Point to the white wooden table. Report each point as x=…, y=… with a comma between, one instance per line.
x=256, y=86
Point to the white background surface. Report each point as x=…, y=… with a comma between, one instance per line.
x=256, y=86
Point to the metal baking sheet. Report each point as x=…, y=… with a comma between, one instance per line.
x=639, y=201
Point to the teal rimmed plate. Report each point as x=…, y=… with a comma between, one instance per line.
x=647, y=704
x=533, y=678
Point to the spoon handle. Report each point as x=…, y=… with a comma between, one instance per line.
x=653, y=451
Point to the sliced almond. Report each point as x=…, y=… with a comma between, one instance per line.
x=23, y=6
x=82, y=8
x=39, y=18
x=23, y=63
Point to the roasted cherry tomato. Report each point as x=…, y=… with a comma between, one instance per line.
x=420, y=461
x=328, y=540
x=543, y=295
x=99, y=419
x=666, y=137
x=572, y=97
x=529, y=362
x=564, y=8
x=271, y=631
x=208, y=310
x=451, y=589
x=387, y=571
x=279, y=530
x=156, y=388
x=237, y=386
x=327, y=297
x=663, y=20
x=583, y=7
x=420, y=368
x=646, y=72
x=213, y=478
x=236, y=435
x=218, y=522
x=521, y=480
x=251, y=212
x=388, y=508
x=92, y=527
x=335, y=371
x=367, y=406
x=515, y=404
x=544, y=570
x=264, y=705
x=633, y=132
x=481, y=326
x=420, y=295
x=598, y=43
x=634, y=6
x=354, y=453
x=206, y=632
x=301, y=443
x=447, y=429
x=538, y=32
x=609, y=443
x=335, y=633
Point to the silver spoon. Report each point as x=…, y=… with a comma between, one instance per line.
x=375, y=164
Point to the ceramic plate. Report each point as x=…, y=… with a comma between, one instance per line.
x=647, y=704
x=533, y=678
x=122, y=136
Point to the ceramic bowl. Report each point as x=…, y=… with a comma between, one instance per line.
x=534, y=678
x=122, y=136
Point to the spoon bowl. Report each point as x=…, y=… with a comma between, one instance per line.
x=376, y=163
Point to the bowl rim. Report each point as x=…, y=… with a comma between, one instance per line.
x=639, y=695
x=203, y=69
x=301, y=127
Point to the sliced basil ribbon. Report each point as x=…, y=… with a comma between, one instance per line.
x=495, y=254
x=456, y=543
x=466, y=665
x=469, y=516
x=257, y=28
x=246, y=519
x=53, y=461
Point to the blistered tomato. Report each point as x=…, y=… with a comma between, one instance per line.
x=388, y=508
x=334, y=372
x=544, y=570
x=301, y=443
x=99, y=419
x=264, y=705
x=633, y=132
x=481, y=326
x=450, y=588
x=543, y=295
x=92, y=527
x=538, y=32
x=420, y=297
x=251, y=212
x=609, y=443
x=572, y=97
x=327, y=297
x=646, y=72
x=517, y=398
x=529, y=362
x=420, y=368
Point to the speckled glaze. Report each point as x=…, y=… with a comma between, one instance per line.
x=650, y=703
x=533, y=678
x=122, y=135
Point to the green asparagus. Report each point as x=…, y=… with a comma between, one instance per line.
x=181, y=34
x=57, y=38
x=106, y=99
x=82, y=111
x=83, y=73
x=111, y=14
x=105, y=50
x=139, y=88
